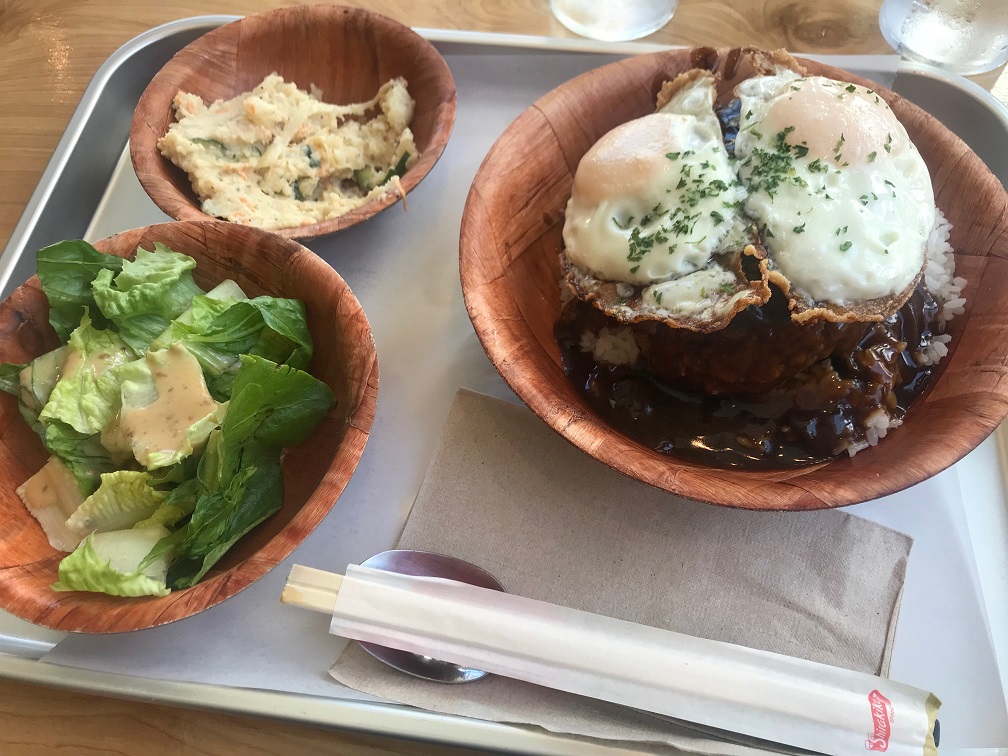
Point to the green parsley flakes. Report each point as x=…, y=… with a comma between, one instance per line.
x=771, y=168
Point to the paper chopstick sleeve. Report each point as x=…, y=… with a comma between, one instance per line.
x=757, y=693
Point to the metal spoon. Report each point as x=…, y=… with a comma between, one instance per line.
x=428, y=564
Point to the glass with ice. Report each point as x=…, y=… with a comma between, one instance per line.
x=962, y=36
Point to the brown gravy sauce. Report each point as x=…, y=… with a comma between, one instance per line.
x=808, y=419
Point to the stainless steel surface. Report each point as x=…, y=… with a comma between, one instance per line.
x=426, y=564
x=973, y=113
x=62, y=207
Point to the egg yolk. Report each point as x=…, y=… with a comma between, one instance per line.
x=630, y=161
x=852, y=133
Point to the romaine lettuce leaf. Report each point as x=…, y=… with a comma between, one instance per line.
x=273, y=406
x=110, y=563
x=223, y=517
x=124, y=498
x=83, y=454
x=286, y=332
x=226, y=291
x=201, y=313
x=165, y=515
x=183, y=470
x=180, y=503
x=147, y=294
x=152, y=268
x=277, y=405
x=86, y=396
x=39, y=377
x=10, y=377
x=66, y=270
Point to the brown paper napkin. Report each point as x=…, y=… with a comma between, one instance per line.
x=506, y=493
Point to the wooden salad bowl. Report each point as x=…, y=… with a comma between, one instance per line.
x=509, y=249
x=347, y=52
x=314, y=473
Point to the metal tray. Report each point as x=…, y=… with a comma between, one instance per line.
x=88, y=190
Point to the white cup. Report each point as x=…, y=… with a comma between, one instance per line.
x=962, y=36
x=614, y=20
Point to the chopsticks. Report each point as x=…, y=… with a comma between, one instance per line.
x=308, y=588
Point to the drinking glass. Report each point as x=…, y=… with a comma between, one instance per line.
x=962, y=36
x=613, y=20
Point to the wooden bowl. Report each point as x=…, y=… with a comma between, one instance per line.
x=314, y=472
x=347, y=52
x=511, y=239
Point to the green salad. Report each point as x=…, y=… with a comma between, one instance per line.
x=166, y=411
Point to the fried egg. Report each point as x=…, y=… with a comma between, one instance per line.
x=841, y=196
x=655, y=197
x=654, y=228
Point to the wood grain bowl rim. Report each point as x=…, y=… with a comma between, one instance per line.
x=180, y=205
x=96, y=613
x=534, y=375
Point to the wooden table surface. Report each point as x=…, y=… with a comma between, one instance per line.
x=49, y=50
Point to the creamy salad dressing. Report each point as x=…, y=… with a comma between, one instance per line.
x=182, y=400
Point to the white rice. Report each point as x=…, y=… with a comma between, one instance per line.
x=616, y=347
x=944, y=286
x=878, y=424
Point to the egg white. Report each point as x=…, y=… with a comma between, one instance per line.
x=694, y=294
